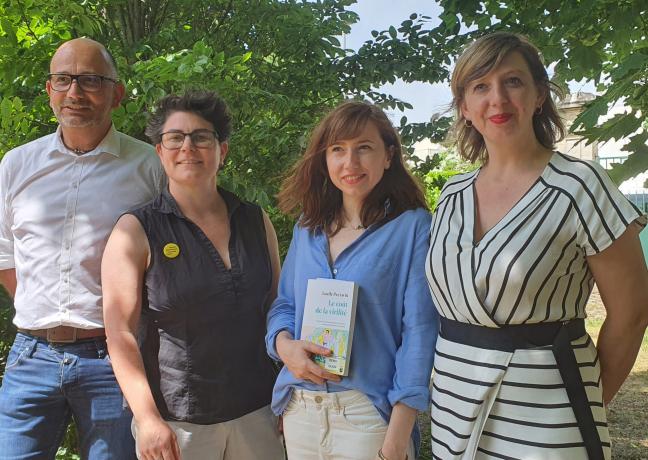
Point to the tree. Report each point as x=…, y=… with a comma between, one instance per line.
x=601, y=40
x=279, y=65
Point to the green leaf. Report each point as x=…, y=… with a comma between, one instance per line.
x=132, y=107
x=5, y=110
x=633, y=62
x=636, y=162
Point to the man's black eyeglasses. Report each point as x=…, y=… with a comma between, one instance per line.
x=87, y=82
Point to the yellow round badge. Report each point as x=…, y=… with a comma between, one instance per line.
x=171, y=250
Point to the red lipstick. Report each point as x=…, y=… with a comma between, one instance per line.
x=500, y=118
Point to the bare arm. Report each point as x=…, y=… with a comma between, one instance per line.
x=399, y=432
x=273, y=249
x=122, y=274
x=8, y=280
x=621, y=275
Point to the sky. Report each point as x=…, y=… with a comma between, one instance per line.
x=427, y=99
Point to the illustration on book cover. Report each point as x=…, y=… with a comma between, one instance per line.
x=329, y=317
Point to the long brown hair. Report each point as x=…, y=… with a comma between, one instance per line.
x=308, y=190
x=477, y=60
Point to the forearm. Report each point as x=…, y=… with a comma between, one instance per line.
x=8, y=280
x=129, y=371
x=281, y=320
x=618, y=345
x=399, y=432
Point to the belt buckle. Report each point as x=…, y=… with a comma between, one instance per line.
x=59, y=335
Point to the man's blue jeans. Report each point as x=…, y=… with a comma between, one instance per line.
x=46, y=384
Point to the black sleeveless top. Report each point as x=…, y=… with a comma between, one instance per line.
x=202, y=328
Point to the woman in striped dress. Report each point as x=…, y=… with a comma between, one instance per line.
x=515, y=249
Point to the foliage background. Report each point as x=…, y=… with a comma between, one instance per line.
x=280, y=65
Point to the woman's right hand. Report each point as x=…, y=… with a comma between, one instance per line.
x=296, y=355
x=156, y=440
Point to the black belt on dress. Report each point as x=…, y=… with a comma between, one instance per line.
x=524, y=336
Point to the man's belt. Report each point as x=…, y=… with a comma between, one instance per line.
x=64, y=334
x=524, y=336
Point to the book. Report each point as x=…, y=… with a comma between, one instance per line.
x=329, y=318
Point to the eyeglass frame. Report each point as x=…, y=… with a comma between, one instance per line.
x=215, y=133
x=76, y=77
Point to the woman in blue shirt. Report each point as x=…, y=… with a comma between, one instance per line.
x=363, y=218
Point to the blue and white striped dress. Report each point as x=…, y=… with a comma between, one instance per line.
x=531, y=267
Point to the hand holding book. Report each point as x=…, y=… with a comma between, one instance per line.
x=297, y=357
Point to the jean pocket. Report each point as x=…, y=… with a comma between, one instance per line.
x=363, y=416
x=16, y=355
x=292, y=407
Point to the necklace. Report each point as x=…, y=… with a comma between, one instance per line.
x=355, y=227
x=80, y=152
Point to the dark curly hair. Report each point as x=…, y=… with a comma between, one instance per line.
x=206, y=104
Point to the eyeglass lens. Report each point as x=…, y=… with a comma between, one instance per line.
x=86, y=82
x=200, y=138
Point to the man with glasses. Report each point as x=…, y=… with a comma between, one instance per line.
x=60, y=196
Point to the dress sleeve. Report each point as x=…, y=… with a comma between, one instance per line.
x=6, y=236
x=414, y=357
x=281, y=316
x=603, y=212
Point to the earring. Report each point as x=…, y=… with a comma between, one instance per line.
x=538, y=110
x=468, y=123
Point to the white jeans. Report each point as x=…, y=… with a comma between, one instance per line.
x=333, y=426
x=253, y=436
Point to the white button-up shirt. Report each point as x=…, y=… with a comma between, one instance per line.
x=57, y=210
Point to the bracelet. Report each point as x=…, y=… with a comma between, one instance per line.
x=381, y=456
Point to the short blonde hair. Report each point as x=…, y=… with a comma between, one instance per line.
x=477, y=60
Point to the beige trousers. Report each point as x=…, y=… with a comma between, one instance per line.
x=333, y=426
x=253, y=436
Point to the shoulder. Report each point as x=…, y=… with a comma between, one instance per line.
x=577, y=177
x=412, y=227
x=458, y=183
x=40, y=146
x=130, y=143
x=419, y=217
x=242, y=207
x=303, y=235
x=147, y=208
x=133, y=149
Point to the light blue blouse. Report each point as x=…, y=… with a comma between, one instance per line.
x=396, y=322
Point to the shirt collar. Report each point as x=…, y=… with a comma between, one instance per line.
x=111, y=143
x=166, y=204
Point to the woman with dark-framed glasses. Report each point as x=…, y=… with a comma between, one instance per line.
x=187, y=280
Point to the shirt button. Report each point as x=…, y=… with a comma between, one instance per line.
x=335, y=271
x=318, y=399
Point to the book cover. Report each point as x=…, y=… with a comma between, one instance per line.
x=329, y=318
